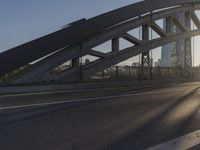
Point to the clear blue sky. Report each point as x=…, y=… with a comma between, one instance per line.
x=25, y=20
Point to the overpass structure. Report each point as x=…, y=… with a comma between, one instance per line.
x=39, y=57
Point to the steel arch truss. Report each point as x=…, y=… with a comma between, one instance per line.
x=42, y=70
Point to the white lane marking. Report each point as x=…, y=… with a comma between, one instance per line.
x=88, y=99
x=182, y=143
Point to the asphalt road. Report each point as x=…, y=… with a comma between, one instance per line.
x=122, y=118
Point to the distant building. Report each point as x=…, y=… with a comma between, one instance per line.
x=136, y=64
x=158, y=63
x=172, y=55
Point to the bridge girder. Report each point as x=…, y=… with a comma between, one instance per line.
x=113, y=59
x=41, y=70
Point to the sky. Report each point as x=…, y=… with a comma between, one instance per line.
x=25, y=20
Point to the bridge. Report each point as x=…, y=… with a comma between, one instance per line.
x=69, y=113
x=35, y=60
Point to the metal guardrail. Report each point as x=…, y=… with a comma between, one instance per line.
x=134, y=73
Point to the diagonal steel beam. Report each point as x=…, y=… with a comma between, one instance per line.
x=134, y=51
x=195, y=19
x=97, y=54
x=179, y=24
x=157, y=29
x=125, y=54
x=132, y=39
x=37, y=70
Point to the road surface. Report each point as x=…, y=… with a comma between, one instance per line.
x=122, y=118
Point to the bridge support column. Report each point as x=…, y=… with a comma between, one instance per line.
x=75, y=63
x=169, y=25
x=76, y=66
x=188, y=49
x=145, y=64
x=115, y=45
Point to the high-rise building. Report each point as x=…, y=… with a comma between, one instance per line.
x=172, y=55
x=157, y=63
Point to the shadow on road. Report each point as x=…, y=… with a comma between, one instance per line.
x=150, y=132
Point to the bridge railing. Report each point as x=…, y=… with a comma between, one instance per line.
x=134, y=73
x=128, y=72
